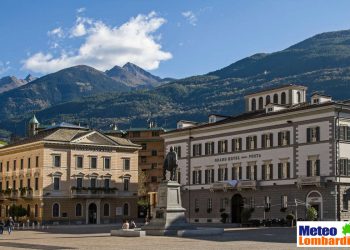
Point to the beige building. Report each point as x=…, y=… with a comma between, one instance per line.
x=69, y=174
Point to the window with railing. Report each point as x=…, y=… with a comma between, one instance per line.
x=313, y=134
x=197, y=150
x=209, y=176
x=283, y=138
x=283, y=170
x=313, y=167
x=209, y=148
x=236, y=144
x=197, y=177
x=251, y=142
x=267, y=172
x=267, y=140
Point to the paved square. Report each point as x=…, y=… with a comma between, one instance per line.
x=99, y=238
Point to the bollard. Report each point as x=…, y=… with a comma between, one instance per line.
x=38, y=225
x=33, y=225
x=23, y=225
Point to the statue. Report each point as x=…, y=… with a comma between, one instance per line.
x=170, y=164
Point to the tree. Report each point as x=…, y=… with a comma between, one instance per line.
x=17, y=211
x=142, y=190
x=311, y=214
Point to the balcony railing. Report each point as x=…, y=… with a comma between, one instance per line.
x=309, y=181
x=246, y=184
x=96, y=192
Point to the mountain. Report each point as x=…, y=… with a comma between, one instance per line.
x=322, y=63
x=134, y=76
x=62, y=86
x=11, y=82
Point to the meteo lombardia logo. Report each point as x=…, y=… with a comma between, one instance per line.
x=323, y=234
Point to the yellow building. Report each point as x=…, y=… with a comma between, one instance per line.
x=69, y=174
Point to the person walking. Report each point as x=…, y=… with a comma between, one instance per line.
x=9, y=224
x=2, y=227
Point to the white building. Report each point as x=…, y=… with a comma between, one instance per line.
x=281, y=151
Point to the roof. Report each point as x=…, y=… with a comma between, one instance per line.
x=319, y=94
x=68, y=135
x=224, y=116
x=257, y=114
x=192, y=122
x=65, y=125
x=275, y=88
x=33, y=120
x=145, y=129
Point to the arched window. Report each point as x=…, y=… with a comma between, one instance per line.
x=283, y=98
x=78, y=210
x=126, y=209
x=28, y=210
x=268, y=100
x=261, y=103
x=253, y=104
x=36, y=210
x=299, y=97
x=106, y=209
x=56, y=210
x=275, y=98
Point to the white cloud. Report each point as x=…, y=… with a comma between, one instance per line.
x=4, y=67
x=56, y=32
x=81, y=10
x=191, y=17
x=104, y=46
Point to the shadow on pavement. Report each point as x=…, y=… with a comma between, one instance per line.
x=32, y=246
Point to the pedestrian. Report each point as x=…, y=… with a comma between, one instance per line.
x=2, y=224
x=146, y=221
x=125, y=225
x=132, y=224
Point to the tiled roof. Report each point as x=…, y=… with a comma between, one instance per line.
x=122, y=141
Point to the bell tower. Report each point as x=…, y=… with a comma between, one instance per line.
x=33, y=126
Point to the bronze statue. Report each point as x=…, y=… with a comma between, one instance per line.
x=170, y=164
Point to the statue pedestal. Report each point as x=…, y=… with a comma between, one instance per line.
x=169, y=215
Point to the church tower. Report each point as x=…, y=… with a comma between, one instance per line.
x=33, y=126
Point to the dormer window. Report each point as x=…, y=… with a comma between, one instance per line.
x=315, y=101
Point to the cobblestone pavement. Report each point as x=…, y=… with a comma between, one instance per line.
x=99, y=238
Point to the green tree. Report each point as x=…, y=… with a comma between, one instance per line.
x=311, y=214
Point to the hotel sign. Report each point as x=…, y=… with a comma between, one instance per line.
x=237, y=157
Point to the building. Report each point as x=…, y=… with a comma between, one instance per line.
x=151, y=158
x=280, y=156
x=70, y=174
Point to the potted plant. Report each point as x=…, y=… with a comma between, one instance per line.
x=290, y=218
x=224, y=217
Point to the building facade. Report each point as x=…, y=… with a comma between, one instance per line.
x=70, y=175
x=281, y=156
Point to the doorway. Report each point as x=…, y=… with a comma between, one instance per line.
x=92, y=213
x=236, y=208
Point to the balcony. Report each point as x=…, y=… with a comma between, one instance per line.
x=10, y=194
x=246, y=184
x=26, y=193
x=94, y=193
x=309, y=181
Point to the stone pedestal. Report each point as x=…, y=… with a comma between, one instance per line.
x=169, y=215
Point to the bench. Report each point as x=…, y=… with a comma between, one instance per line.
x=128, y=233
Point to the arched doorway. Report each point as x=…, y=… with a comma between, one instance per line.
x=314, y=199
x=236, y=208
x=92, y=213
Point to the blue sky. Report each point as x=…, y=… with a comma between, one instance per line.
x=169, y=38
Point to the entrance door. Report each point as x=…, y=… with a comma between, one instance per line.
x=92, y=213
x=237, y=207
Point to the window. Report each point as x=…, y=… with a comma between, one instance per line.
x=56, y=210
x=197, y=177
x=267, y=140
x=29, y=163
x=126, y=184
x=261, y=103
x=197, y=150
x=267, y=202
x=79, y=162
x=222, y=173
x=177, y=149
x=136, y=134
x=107, y=183
x=283, y=98
x=14, y=185
x=344, y=133
x=106, y=209
x=196, y=205
x=126, y=164
x=56, y=183
x=251, y=142
x=126, y=209
x=209, y=205
x=237, y=173
x=93, y=162
x=143, y=159
x=22, y=164
x=36, y=183
x=284, y=138
x=37, y=161
x=313, y=168
x=209, y=176
x=251, y=172
x=179, y=176
x=222, y=146
x=313, y=134
x=275, y=98
x=7, y=185
x=20, y=183
x=14, y=165
x=78, y=210
x=236, y=144
x=0, y=167
x=57, y=160
x=93, y=182
x=107, y=163
x=284, y=201
x=298, y=97
x=344, y=167
x=155, y=133
x=209, y=148
x=267, y=172
x=36, y=210
x=268, y=100
x=144, y=146
x=28, y=210
x=251, y=202
x=154, y=165
x=7, y=166
x=28, y=183
x=79, y=182
x=253, y=104
x=283, y=170
x=154, y=152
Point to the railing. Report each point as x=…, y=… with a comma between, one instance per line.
x=101, y=193
x=246, y=184
x=309, y=181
